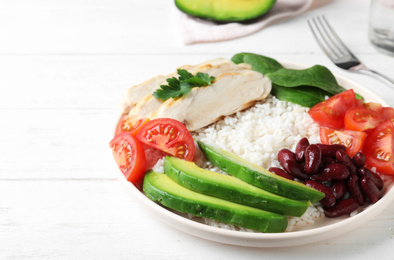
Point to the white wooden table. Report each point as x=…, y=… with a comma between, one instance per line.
x=65, y=65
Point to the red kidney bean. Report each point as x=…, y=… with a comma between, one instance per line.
x=334, y=171
x=325, y=160
x=312, y=159
x=343, y=207
x=343, y=157
x=337, y=171
x=349, y=183
x=355, y=189
x=278, y=171
x=359, y=159
x=339, y=189
x=373, y=176
x=300, y=149
x=285, y=155
x=319, y=177
x=370, y=189
x=288, y=161
x=329, y=199
x=330, y=149
x=295, y=170
x=352, y=168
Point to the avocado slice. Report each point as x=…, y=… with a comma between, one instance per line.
x=159, y=187
x=258, y=176
x=230, y=188
x=225, y=10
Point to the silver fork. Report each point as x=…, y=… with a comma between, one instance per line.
x=337, y=51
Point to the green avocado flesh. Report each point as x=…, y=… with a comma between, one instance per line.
x=258, y=176
x=230, y=188
x=159, y=187
x=225, y=10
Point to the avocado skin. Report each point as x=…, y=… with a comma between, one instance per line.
x=226, y=187
x=258, y=176
x=159, y=187
x=225, y=10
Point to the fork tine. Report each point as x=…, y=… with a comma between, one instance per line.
x=325, y=34
x=337, y=42
x=323, y=39
x=328, y=39
x=319, y=42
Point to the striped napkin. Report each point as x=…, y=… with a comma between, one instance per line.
x=193, y=30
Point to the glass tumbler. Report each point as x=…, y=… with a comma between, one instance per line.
x=381, y=25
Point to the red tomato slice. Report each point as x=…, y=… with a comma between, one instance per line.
x=377, y=107
x=388, y=113
x=359, y=103
x=131, y=124
x=350, y=98
x=352, y=140
x=379, y=148
x=170, y=136
x=130, y=157
x=331, y=112
x=361, y=119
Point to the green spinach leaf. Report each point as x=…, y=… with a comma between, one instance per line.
x=302, y=95
x=305, y=87
x=317, y=76
x=259, y=63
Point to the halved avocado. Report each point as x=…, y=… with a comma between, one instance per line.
x=225, y=10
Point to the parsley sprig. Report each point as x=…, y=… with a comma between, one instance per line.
x=178, y=87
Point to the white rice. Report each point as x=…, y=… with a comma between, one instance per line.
x=257, y=134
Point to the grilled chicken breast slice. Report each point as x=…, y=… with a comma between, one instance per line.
x=137, y=92
x=230, y=93
x=142, y=91
x=149, y=105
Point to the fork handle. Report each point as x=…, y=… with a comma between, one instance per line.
x=378, y=74
x=383, y=76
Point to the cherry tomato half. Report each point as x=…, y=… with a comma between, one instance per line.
x=388, y=113
x=379, y=148
x=170, y=136
x=331, y=112
x=352, y=140
x=361, y=119
x=130, y=157
x=131, y=124
x=377, y=107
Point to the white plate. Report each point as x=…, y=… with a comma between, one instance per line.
x=323, y=229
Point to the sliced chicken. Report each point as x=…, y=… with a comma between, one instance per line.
x=149, y=105
x=231, y=92
x=137, y=92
